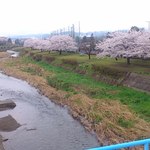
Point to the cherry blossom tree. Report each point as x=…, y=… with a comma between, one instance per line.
x=128, y=45
x=5, y=40
x=40, y=44
x=62, y=43
x=31, y=43
x=44, y=45
x=57, y=43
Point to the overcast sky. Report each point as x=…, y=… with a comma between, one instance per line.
x=41, y=16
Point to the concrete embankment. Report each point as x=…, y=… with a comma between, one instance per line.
x=138, y=81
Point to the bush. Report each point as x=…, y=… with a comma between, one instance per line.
x=37, y=57
x=24, y=52
x=72, y=62
x=49, y=59
x=31, y=54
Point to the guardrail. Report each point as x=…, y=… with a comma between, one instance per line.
x=145, y=143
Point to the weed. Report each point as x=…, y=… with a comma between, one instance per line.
x=31, y=54
x=78, y=101
x=59, y=84
x=125, y=123
x=96, y=117
x=29, y=70
x=34, y=70
x=37, y=57
x=72, y=62
x=49, y=59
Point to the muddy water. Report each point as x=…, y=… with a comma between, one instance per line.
x=44, y=125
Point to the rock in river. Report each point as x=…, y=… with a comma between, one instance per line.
x=7, y=104
x=8, y=124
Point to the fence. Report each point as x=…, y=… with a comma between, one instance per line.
x=144, y=143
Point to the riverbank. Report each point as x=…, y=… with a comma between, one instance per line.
x=1, y=145
x=112, y=121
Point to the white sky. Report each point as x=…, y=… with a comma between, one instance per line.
x=40, y=16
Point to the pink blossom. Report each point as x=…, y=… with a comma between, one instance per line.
x=38, y=44
x=127, y=45
x=59, y=42
x=63, y=43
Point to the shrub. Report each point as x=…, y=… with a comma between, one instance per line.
x=49, y=59
x=72, y=62
x=31, y=54
x=37, y=57
x=24, y=52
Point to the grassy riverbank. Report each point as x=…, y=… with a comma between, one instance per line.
x=114, y=112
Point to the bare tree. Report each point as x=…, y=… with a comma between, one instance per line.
x=88, y=45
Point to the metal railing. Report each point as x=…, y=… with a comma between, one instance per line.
x=144, y=143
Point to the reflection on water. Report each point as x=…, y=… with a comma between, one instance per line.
x=45, y=126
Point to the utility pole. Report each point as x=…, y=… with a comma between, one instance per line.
x=79, y=38
x=73, y=32
x=64, y=31
x=79, y=29
x=69, y=31
x=148, y=25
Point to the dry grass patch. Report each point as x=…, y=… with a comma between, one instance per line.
x=4, y=55
x=34, y=69
x=112, y=121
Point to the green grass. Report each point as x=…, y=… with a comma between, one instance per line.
x=137, y=65
x=125, y=123
x=72, y=82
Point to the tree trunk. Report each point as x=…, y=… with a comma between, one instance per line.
x=89, y=55
x=60, y=52
x=128, y=61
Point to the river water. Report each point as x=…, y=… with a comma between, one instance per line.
x=44, y=125
x=13, y=53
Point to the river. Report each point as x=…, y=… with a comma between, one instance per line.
x=44, y=125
